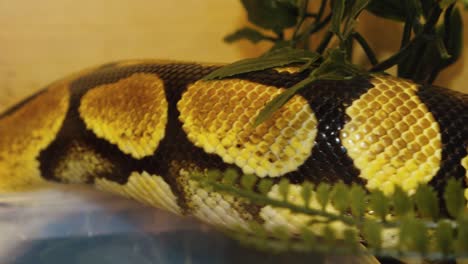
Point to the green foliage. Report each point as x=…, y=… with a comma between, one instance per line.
x=379, y=204
x=265, y=186
x=357, y=200
x=413, y=235
x=372, y=232
x=230, y=177
x=335, y=67
x=340, y=197
x=418, y=231
x=432, y=40
x=461, y=242
x=451, y=33
x=454, y=198
x=276, y=15
x=247, y=33
x=283, y=187
x=427, y=201
x=351, y=240
x=275, y=58
x=444, y=237
x=306, y=193
x=389, y=9
x=323, y=194
x=402, y=204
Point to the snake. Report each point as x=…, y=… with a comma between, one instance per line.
x=141, y=128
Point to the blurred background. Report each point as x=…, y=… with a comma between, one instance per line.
x=41, y=41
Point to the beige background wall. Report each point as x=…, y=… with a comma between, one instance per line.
x=43, y=40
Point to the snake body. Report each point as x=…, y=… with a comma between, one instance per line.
x=139, y=128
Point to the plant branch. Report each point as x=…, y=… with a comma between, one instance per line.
x=365, y=46
x=324, y=43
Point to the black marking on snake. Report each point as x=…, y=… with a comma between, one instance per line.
x=174, y=146
x=330, y=160
x=328, y=100
x=450, y=110
x=19, y=105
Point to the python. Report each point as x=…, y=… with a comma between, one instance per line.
x=140, y=128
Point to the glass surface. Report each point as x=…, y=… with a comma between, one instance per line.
x=82, y=226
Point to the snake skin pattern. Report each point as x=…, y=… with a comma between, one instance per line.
x=139, y=129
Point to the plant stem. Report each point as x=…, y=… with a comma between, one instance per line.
x=427, y=30
x=262, y=199
x=315, y=28
x=365, y=46
x=323, y=4
x=407, y=32
x=324, y=43
x=302, y=18
x=448, y=25
x=393, y=60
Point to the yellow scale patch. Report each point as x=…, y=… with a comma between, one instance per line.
x=27, y=131
x=392, y=137
x=131, y=113
x=219, y=116
x=465, y=165
x=81, y=163
x=295, y=222
x=145, y=188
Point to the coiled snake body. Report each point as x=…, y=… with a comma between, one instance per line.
x=140, y=128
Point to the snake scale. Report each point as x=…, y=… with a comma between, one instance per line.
x=139, y=128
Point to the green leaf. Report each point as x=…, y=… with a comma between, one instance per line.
x=445, y=3
x=462, y=236
x=357, y=7
x=426, y=6
x=306, y=193
x=308, y=237
x=426, y=201
x=372, y=232
x=440, y=46
x=277, y=58
x=213, y=175
x=230, y=177
x=281, y=233
x=379, y=203
x=351, y=239
x=280, y=44
x=329, y=235
x=335, y=67
x=413, y=235
x=420, y=236
x=391, y=9
x=340, y=196
x=454, y=197
x=248, y=181
x=283, y=187
x=248, y=33
x=323, y=194
x=338, y=9
x=276, y=15
x=444, y=237
x=401, y=202
x=452, y=31
x=280, y=100
x=265, y=186
x=258, y=229
x=357, y=200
